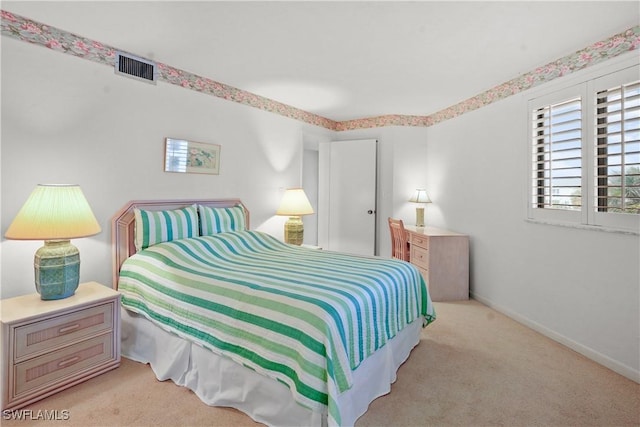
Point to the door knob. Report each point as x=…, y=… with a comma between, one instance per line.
x=370, y=212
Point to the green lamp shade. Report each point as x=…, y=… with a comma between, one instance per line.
x=55, y=214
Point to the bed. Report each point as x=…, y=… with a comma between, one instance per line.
x=288, y=335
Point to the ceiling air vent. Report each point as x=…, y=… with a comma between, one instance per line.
x=138, y=68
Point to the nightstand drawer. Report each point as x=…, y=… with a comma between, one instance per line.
x=420, y=241
x=58, y=331
x=52, y=367
x=420, y=257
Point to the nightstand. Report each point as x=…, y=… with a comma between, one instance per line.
x=48, y=346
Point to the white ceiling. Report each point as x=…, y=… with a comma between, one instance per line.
x=346, y=60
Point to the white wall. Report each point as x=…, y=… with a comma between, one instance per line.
x=69, y=120
x=581, y=287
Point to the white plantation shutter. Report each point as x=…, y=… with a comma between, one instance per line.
x=585, y=153
x=618, y=149
x=557, y=156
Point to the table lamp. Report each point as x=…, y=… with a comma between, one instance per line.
x=55, y=213
x=294, y=204
x=420, y=196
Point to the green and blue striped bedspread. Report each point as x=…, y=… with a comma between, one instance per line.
x=301, y=316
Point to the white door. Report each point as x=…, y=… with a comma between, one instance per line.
x=347, y=196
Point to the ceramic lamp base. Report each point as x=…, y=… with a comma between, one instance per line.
x=419, y=217
x=294, y=231
x=57, y=269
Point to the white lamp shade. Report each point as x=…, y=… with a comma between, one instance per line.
x=420, y=196
x=294, y=203
x=54, y=212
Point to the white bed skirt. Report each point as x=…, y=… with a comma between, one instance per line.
x=219, y=381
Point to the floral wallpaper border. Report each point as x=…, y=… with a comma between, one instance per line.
x=24, y=29
x=599, y=52
x=34, y=32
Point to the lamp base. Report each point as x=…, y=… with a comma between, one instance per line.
x=294, y=231
x=57, y=269
x=419, y=217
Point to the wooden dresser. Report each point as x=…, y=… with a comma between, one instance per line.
x=51, y=345
x=442, y=257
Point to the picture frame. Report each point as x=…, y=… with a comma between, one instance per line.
x=184, y=156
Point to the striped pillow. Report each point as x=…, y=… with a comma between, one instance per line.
x=153, y=227
x=221, y=220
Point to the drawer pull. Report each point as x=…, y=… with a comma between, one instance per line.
x=68, y=361
x=68, y=328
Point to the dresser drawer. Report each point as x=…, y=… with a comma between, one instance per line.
x=52, y=367
x=420, y=241
x=420, y=257
x=58, y=331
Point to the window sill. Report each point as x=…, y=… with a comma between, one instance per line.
x=584, y=227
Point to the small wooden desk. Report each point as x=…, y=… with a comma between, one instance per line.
x=442, y=256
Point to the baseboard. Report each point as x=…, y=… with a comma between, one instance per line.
x=596, y=356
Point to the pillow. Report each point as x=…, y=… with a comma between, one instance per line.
x=153, y=227
x=220, y=220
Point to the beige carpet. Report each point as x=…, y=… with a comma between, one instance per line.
x=474, y=367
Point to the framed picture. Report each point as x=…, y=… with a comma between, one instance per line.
x=191, y=157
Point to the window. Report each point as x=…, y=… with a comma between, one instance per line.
x=585, y=153
x=557, y=156
x=618, y=149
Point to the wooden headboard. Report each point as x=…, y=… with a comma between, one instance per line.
x=123, y=224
